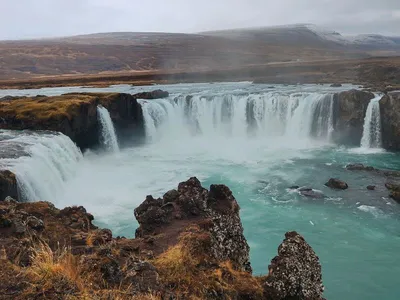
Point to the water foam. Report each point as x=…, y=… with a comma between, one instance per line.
x=372, y=137
x=108, y=135
x=47, y=161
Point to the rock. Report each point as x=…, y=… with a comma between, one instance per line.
x=359, y=167
x=393, y=186
x=294, y=187
x=305, y=189
x=35, y=223
x=217, y=208
x=295, y=273
x=74, y=115
x=349, y=121
x=337, y=184
x=390, y=122
x=312, y=194
x=395, y=195
x=9, y=199
x=8, y=185
x=336, y=85
x=157, y=94
x=371, y=187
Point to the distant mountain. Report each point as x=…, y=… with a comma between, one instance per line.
x=107, y=53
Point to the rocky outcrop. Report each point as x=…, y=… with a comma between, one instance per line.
x=8, y=185
x=193, y=203
x=75, y=114
x=156, y=94
x=295, y=273
x=350, y=110
x=190, y=243
x=390, y=118
x=337, y=184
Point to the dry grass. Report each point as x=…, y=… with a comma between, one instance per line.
x=50, y=268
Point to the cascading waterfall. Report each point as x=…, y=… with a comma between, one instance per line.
x=44, y=161
x=371, y=137
x=294, y=116
x=108, y=135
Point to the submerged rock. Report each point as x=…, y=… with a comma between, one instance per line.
x=312, y=194
x=338, y=184
x=359, y=167
x=296, y=272
x=336, y=85
x=371, y=187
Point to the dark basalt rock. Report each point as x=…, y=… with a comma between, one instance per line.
x=157, y=94
x=192, y=202
x=295, y=273
x=294, y=187
x=8, y=185
x=335, y=183
x=390, y=111
x=359, y=167
x=350, y=109
x=371, y=187
x=336, y=85
x=312, y=194
x=395, y=195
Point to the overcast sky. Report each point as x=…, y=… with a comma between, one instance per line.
x=49, y=18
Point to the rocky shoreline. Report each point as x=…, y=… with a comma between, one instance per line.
x=189, y=245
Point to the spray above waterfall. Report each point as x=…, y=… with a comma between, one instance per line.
x=108, y=135
x=372, y=136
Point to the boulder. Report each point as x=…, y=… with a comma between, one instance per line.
x=8, y=185
x=390, y=120
x=350, y=110
x=338, y=184
x=336, y=85
x=295, y=273
x=395, y=195
x=312, y=194
x=371, y=187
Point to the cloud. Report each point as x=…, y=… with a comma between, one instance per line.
x=46, y=18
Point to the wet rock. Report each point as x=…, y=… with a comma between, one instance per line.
x=294, y=187
x=335, y=183
x=312, y=194
x=305, y=189
x=393, y=186
x=371, y=187
x=336, y=85
x=395, y=195
x=390, y=111
x=350, y=113
x=359, y=167
x=8, y=185
x=156, y=94
x=295, y=273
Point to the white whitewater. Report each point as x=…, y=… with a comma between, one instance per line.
x=108, y=135
x=48, y=160
x=371, y=137
x=292, y=116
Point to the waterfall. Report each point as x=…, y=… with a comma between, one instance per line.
x=42, y=162
x=293, y=116
x=108, y=135
x=371, y=137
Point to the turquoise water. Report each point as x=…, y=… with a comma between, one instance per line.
x=356, y=233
